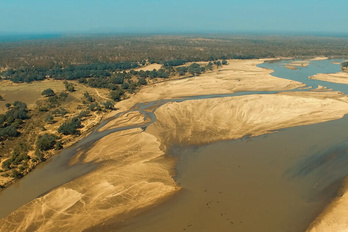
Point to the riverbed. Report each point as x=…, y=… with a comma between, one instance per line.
x=264, y=182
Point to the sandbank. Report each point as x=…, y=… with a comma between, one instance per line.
x=319, y=58
x=237, y=75
x=341, y=77
x=295, y=64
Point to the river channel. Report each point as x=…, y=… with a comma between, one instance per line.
x=274, y=182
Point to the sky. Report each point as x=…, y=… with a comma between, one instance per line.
x=167, y=16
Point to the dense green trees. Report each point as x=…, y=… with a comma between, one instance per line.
x=16, y=158
x=72, y=72
x=12, y=119
x=182, y=70
x=46, y=141
x=174, y=62
x=116, y=95
x=87, y=55
x=69, y=128
x=142, y=81
x=344, y=65
x=9, y=131
x=194, y=69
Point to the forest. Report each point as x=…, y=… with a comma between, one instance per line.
x=58, y=53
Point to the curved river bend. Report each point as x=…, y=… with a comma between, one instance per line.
x=282, y=176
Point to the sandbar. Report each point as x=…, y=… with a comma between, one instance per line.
x=341, y=77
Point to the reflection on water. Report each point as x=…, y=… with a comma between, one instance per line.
x=275, y=182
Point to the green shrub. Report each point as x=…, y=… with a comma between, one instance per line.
x=48, y=92
x=46, y=141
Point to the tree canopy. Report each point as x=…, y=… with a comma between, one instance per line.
x=46, y=141
x=48, y=92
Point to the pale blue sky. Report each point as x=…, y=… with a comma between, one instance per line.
x=156, y=16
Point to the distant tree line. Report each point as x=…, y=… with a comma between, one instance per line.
x=167, y=50
x=174, y=62
x=71, y=72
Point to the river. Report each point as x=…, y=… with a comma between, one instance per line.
x=251, y=184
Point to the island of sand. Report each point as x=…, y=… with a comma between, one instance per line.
x=135, y=172
x=340, y=77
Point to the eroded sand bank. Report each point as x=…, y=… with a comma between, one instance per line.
x=334, y=218
x=134, y=172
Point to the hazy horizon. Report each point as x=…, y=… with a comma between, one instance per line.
x=172, y=17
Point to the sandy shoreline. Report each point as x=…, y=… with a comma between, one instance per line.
x=133, y=177
x=333, y=218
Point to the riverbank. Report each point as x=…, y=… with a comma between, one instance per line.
x=131, y=178
x=333, y=218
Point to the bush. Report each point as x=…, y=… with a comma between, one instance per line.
x=83, y=114
x=116, y=95
x=58, y=146
x=142, y=81
x=48, y=92
x=69, y=86
x=182, y=70
x=69, y=128
x=109, y=105
x=15, y=174
x=63, y=96
x=9, y=131
x=94, y=106
x=194, y=69
x=6, y=165
x=39, y=156
x=59, y=112
x=88, y=97
x=49, y=118
x=125, y=85
x=46, y=141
